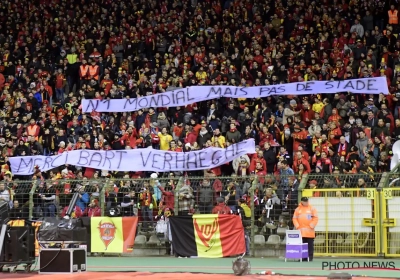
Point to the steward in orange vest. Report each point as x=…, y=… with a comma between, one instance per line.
x=94, y=71
x=305, y=219
x=84, y=71
x=393, y=16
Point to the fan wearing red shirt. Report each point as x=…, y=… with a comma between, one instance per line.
x=300, y=160
x=259, y=159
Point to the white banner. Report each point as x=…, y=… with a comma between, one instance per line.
x=135, y=160
x=190, y=95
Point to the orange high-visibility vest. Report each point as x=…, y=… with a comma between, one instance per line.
x=84, y=71
x=93, y=71
x=32, y=131
x=393, y=19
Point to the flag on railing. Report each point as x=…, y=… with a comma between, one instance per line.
x=112, y=235
x=207, y=236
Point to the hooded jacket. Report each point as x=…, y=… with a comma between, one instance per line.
x=305, y=219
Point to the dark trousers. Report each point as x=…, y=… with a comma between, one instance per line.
x=310, y=242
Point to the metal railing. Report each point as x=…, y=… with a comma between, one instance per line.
x=351, y=206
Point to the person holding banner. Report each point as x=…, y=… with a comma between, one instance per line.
x=305, y=219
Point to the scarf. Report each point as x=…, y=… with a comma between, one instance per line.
x=342, y=149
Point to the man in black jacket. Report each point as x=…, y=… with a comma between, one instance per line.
x=270, y=157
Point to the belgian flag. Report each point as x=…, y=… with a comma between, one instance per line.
x=207, y=236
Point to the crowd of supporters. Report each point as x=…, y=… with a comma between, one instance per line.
x=55, y=53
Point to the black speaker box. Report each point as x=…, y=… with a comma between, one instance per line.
x=19, y=245
x=53, y=261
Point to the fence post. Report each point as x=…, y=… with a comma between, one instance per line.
x=252, y=233
x=31, y=204
x=103, y=197
x=302, y=186
x=176, y=195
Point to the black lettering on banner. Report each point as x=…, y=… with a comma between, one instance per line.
x=144, y=163
x=306, y=86
x=180, y=95
x=228, y=91
x=243, y=90
x=202, y=158
x=92, y=105
x=180, y=160
x=82, y=155
x=167, y=159
x=191, y=160
x=239, y=147
x=121, y=153
x=165, y=100
x=143, y=104
x=230, y=151
x=54, y=162
x=173, y=97
x=47, y=162
x=324, y=265
x=370, y=84
x=28, y=164
x=215, y=158
x=328, y=85
x=271, y=90
x=155, y=161
x=188, y=95
x=360, y=85
x=107, y=101
x=96, y=157
x=154, y=100
x=131, y=101
x=349, y=84
x=108, y=159
x=214, y=93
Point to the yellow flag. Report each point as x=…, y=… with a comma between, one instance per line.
x=106, y=235
x=207, y=236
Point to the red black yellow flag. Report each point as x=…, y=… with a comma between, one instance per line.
x=207, y=236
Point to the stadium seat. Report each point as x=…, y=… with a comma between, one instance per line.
x=140, y=240
x=153, y=241
x=281, y=231
x=273, y=239
x=259, y=240
x=283, y=242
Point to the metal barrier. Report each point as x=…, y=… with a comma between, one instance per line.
x=348, y=209
x=390, y=220
x=353, y=221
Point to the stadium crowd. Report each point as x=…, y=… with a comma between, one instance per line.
x=55, y=53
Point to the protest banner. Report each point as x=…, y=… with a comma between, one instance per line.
x=190, y=95
x=135, y=160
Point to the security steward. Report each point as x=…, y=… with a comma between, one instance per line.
x=305, y=219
